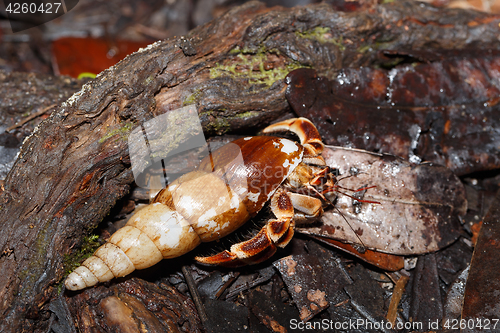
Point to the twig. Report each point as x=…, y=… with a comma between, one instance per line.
x=397, y=293
x=30, y=117
x=226, y=285
x=193, y=290
x=246, y=286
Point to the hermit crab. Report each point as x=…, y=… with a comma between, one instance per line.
x=229, y=187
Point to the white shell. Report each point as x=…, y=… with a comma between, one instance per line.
x=205, y=209
x=153, y=233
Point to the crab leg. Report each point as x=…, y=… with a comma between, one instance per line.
x=275, y=233
x=307, y=133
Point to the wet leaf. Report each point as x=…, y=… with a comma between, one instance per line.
x=426, y=304
x=483, y=283
x=444, y=112
x=455, y=297
x=315, y=277
x=418, y=205
x=301, y=275
x=75, y=56
x=384, y=261
x=272, y=313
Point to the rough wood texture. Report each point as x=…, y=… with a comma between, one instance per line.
x=75, y=166
x=27, y=99
x=127, y=307
x=22, y=92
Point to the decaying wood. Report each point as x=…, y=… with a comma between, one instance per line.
x=75, y=166
x=27, y=99
x=482, y=282
x=111, y=309
x=32, y=92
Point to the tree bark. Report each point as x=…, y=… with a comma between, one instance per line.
x=75, y=166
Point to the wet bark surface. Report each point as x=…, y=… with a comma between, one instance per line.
x=75, y=166
x=132, y=305
x=26, y=100
x=22, y=92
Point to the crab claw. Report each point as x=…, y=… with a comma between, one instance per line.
x=307, y=133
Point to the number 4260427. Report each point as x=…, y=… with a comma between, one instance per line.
x=33, y=8
x=475, y=324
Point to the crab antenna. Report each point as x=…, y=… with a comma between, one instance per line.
x=328, y=190
x=338, y=210
x=350, y=226
x=358, y=190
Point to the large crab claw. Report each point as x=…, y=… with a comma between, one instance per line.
x=276, y=233
x=308, y=135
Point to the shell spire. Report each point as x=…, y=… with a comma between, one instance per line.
x=152, y=234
